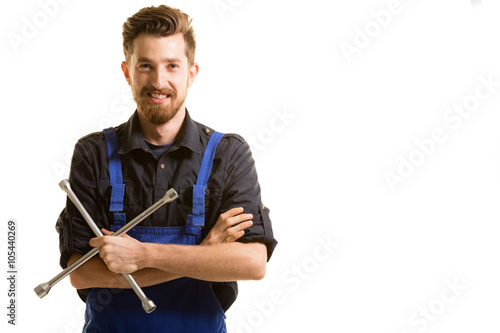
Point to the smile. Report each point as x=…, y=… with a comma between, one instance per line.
x=158, y=98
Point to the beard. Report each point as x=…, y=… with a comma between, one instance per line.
x=159, y=113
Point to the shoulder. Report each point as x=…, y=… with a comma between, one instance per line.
x=89, y=145
x=231, y=139
x=96, y=138
x=234, y=147
x=91, y=139
x=93, y=143
x=232, y=150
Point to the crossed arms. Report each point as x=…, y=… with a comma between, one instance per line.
x=218, y=258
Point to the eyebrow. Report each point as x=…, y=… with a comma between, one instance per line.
x=165, y=60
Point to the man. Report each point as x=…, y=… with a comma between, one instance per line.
x=120, y=172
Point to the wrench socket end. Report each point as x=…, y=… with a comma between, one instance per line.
x=42, y=289
x=149, y=306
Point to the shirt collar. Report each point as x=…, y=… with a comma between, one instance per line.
x=189, y=136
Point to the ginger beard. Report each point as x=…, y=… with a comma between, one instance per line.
x=159, y=113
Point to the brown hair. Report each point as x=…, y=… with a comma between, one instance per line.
x=161, y=21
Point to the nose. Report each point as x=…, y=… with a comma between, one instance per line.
x=159, y=79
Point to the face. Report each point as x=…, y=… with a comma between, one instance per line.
x=159, y=75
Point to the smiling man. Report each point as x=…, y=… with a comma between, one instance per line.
x=159, y=77
x=189, y=253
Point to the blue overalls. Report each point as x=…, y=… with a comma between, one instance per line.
x=184, y=304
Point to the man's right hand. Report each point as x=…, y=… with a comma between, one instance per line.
x=229, y=227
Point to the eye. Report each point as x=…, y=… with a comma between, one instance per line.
x=173, y=66
x=145, y=66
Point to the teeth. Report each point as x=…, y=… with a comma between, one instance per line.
x=158, y=96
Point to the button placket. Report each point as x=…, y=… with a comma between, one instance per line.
x=161, y=184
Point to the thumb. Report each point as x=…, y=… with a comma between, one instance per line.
x=106, y=232
x=96, y=242
x=111, y=233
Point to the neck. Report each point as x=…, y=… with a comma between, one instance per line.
x=161, y=134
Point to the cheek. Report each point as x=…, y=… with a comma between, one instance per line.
x=136, y=84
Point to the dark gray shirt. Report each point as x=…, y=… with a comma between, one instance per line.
x=233, y=183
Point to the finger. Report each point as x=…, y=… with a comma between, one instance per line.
x=96, y=242
x=232, y=212
x=103, y=255
x=232, y=234
x=242, y=226
x=234, y=237
x=223, y=221
x=111, y=233
x=126, y=236
x=106, y=232
x=237, y=219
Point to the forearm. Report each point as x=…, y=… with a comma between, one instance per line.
x=222, y=262
x=95, y=274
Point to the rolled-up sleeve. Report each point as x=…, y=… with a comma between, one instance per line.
x=243, y=190
x=74, y=234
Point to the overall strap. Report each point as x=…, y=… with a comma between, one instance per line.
x=198, y=217
x=115, y=176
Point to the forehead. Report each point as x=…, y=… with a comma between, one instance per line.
x=158, y=48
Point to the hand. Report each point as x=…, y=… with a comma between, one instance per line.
x=225, y=231
x=121, y=254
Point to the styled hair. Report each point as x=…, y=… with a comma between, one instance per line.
x=161, y=21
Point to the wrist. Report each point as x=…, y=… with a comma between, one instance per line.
x=147, y=258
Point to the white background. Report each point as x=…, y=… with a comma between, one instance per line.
x=348, y=121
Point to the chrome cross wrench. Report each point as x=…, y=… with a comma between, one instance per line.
x=42, y=289
x=147, y=304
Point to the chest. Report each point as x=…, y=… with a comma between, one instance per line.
x=147, y=178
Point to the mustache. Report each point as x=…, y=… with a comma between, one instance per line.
x=164, y=91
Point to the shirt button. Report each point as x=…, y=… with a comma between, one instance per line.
x=162, y=166
x=207, y=130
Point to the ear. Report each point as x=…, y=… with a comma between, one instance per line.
x=126, y=72
x=193, y=71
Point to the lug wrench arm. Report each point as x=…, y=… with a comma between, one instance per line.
x=147, y=304
x=43, y=289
